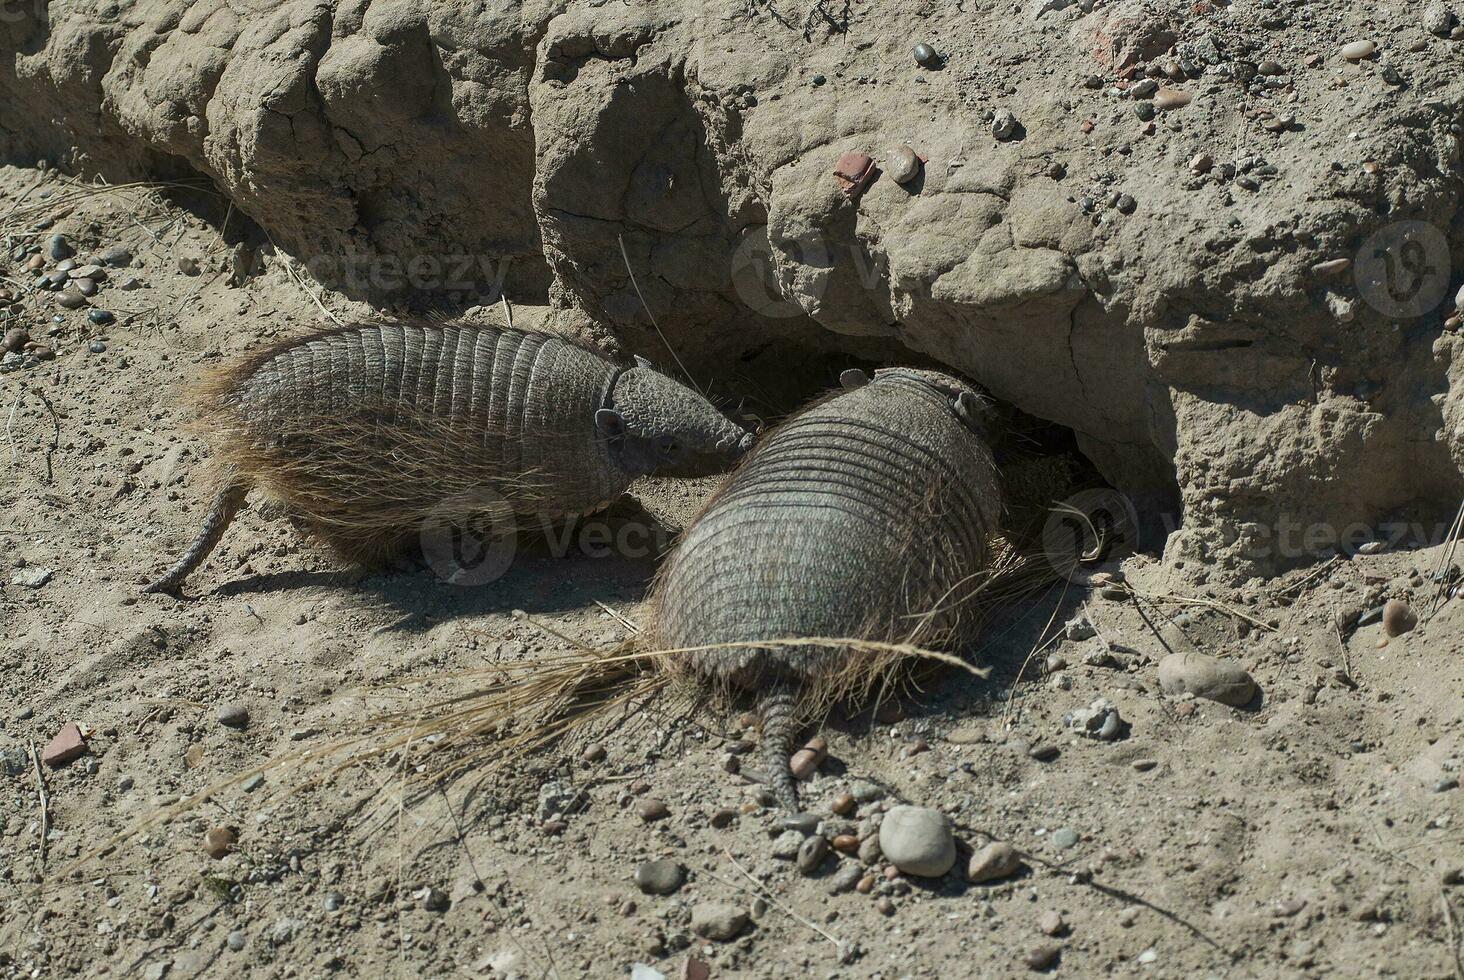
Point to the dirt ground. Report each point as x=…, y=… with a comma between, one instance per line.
x=1315, y=832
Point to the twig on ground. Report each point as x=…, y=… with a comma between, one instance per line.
x=628, y=624
x=767, y=896
x=1453, y=934
x=45, y=801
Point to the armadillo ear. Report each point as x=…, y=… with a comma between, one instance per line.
x=853, y=378
x=610, y=423
x=641, y=362
x=970, y=409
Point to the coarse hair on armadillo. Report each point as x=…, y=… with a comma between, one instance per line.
x=903, y=480
x=363, y=468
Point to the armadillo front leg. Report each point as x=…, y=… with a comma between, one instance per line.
x=225, y=506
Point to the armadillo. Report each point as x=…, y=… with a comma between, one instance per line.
x=365, y=431
x=868, y=516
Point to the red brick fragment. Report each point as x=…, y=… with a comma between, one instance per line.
x=67, y=745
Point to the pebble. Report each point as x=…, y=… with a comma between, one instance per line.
x=663, y=877
x=847, y=843
x=1144, y=110
x=1051, y=923
x=869, y=851
x=786, y=845
x=718, y=921
x=1206, y=677
x=68, y=744
x=1398, y=617
x=1043, y=752
x=129, y=284
x=1172, y=98
x=1064, y=838
x=97, y=347
x=1042, y=957
x=651, y=809
x=722, y=818
x=70, y=299
x=925, y=54
x=805, y=761
x=188, y=266
x=594, y=752
x=1099, y=720
x=845, y=879
x=1003, y=124
x=918, y=841
x=58, y=248
x=866, y=792
x=884, y=906
x=1438, y=19
x=233, y=714
x=903, y=164
x=1357, y=50
x=84, y=286
x=1126, y=204
x=1144, y=765
x=1446, y=784
x=236, y=940
x=804, y=823
x=117, y=257
x=15, y=339
x=811, y=854
x=219, y=841
x=843, y=804
x=436, y=900
x=1201, y=163
x=35, y=263
x=253, y=782
x=101, y=317
x=1332, y=267
x=994, y=861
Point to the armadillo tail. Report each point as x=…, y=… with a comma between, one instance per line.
x=778, y=727
x=225, y=506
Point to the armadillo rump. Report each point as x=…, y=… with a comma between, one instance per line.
x=865, y=517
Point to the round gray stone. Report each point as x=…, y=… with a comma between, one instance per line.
x=918, y=841
x=663, y=877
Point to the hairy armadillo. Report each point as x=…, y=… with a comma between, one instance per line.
x=364, y=432
x=867, y=516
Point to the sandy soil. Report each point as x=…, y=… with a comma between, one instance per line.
x=1315, y=832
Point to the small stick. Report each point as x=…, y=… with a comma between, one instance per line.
x=777, y=904
x=618, y=618
x=507, y=310
x=1453, y=937
x=55, y=435
x=626, y=256
x=1208, y=603
x=45, y=800
x=1453, y=934
x=1341, y=643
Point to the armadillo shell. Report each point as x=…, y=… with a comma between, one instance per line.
x=367, y=430
x=867, y=516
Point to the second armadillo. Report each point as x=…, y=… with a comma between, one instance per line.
x=865, y=517
x=367, y=431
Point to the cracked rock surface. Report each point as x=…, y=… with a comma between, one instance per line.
x=1149, y=254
